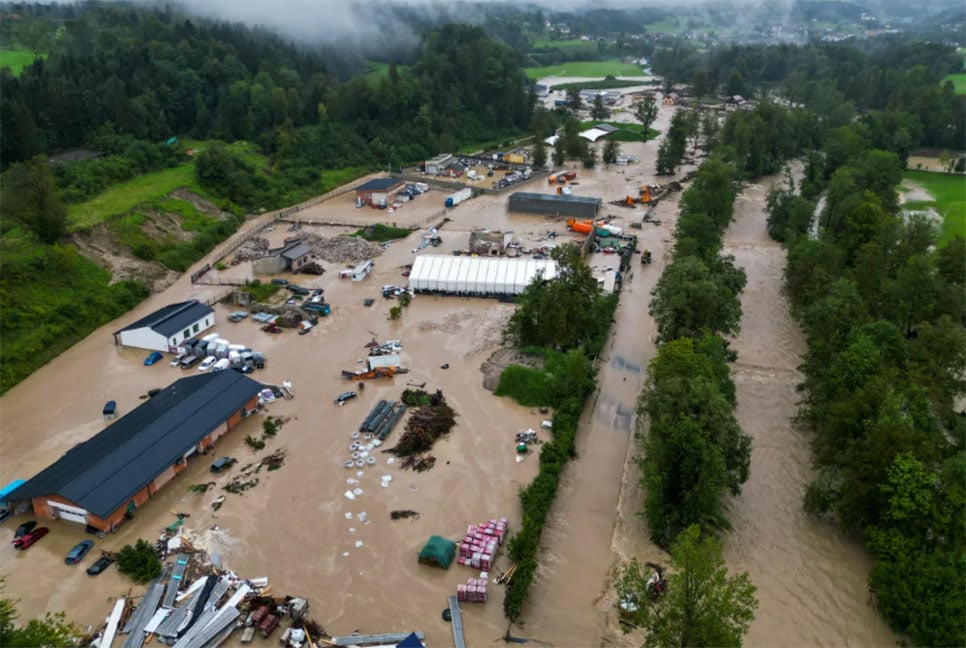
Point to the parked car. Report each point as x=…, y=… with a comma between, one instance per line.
x=24, y=529
x=345, y=397
x=80, y=550
x=272, y=328
x=207, y=363
x=244, y=369
x=222, y=463
x=29, y=538
x=110, y=409
x=259, y=359
x=280, y=282
x=100, y=565
x=221, y=365
x=175, y=361
x=189, y=361
x=152, y=358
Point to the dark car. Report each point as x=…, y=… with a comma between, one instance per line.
x=222, y=463
x=30, y=537
x=80, y=550
x=189, y=361
x=24, y=529
x=244, y=369
x=153, y=358
x=280, y=282
x=344, y=397
x=99, y=565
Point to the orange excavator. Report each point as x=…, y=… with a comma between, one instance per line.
x=585, y=227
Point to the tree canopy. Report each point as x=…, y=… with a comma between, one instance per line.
x=704, y=605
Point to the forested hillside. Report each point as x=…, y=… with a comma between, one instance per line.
x=120, y=95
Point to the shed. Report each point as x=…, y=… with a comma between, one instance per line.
x=379, y=192
x=167, y=328
x=100, y=480
x=554, y=205
x=296, y=255
x=435, y=166
x=438, y=552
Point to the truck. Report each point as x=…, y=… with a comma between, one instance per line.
x=462, y=195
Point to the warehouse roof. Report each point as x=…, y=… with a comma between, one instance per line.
x=553, y=198
x=172, y=318
x=105, y=471
x=296, y=250
x=379, y=184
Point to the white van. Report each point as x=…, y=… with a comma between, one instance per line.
x=207, y=363
x=221, y=365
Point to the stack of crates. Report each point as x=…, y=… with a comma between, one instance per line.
x=479, y=545
x=474, y=591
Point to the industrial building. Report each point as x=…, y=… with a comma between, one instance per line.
x=554, y=205
x=480, y=276
x=106, y=478
x=489, y=243
x=167, y=328
x=436, y=165
x=379, y=192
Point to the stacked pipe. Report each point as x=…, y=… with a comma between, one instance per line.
x=376, y=415
x=389, y=421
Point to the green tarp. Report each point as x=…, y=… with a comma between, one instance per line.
x=438, y=552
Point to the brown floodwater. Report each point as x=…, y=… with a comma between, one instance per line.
x=293, y=526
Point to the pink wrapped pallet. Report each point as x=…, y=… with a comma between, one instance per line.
x=461, y=592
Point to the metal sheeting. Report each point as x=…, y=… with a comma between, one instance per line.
x=180, y=565
x=477, y=275
x=141, y=616
x=457, y=621
x=391, y=638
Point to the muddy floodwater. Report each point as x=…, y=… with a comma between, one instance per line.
x=360, y=571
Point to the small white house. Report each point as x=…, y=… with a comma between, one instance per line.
x=167, y=328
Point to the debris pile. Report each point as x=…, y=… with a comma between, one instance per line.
x=426, y=424
x=254, y=248
x=419, y=463
x=403, y=514
x=247, y=478
x=342, y=249
x=489, y=332
x=528, y=437
x=480, y=543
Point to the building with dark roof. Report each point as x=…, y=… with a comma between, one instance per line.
x=98, y=482
x=167, y=328
x=379, y=192
x=554, y=205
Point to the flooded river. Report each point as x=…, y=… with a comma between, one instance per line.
x=811, y=580
x=298, y=528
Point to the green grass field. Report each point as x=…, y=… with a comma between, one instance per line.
x=666, y=26
x=379, y=71
x=124, y=196
x=959, y=81
x=949, y=191
x=16, y=60
x=613, y=66
x=625, y=133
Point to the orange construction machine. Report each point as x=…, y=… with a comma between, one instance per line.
x=581, y=228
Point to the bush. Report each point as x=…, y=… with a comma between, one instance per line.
x=139, y=562
x=269, y=427
x=254, y=443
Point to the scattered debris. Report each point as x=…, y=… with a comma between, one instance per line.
x=528, y=437
x=403, y=514
x=246, y=477
x=419, y=463
x=254, y=248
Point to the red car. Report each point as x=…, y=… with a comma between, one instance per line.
x=29, y=538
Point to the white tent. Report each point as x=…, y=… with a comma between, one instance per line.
x=593, y=134
x=477, y=275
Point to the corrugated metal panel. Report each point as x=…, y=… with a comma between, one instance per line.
x=390, y=638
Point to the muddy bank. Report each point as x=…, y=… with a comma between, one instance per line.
x=500, y=359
